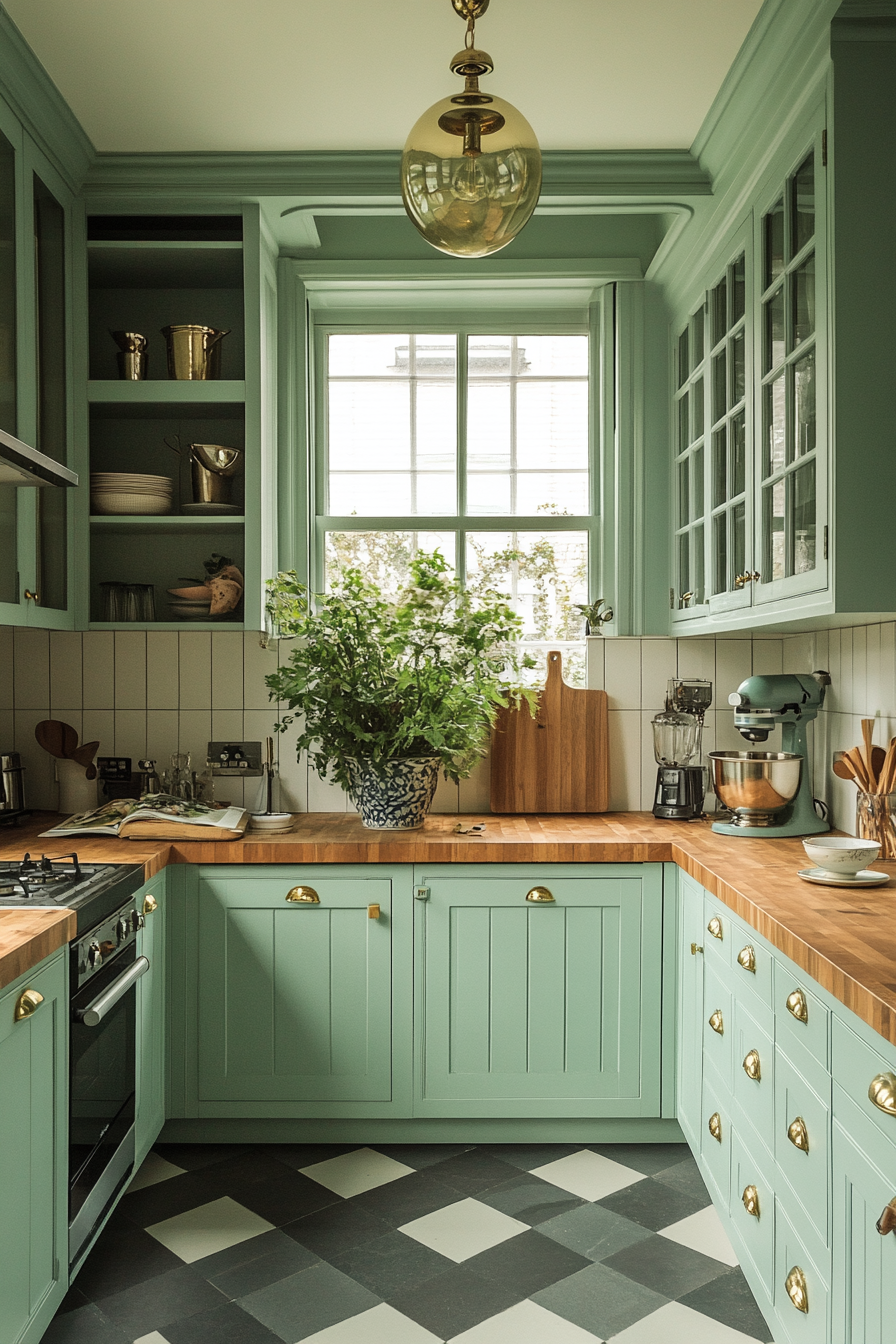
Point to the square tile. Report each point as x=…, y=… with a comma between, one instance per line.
x=677, y=1324
x=254, y=1264
x=286, y=1197
x=336, y=1229
x=602, y=1301
x=651, y=1204
x=306, y=1303
x=463, y=1229
x=594, y=1231
x=528, y=1262
x=356, y=1172
x=379, y=1325
x=588, y=1174
x=422, y=1155
x=193, y=1156
x=526, y=1323
x=528, y=1156
x=153, y=1169
x=87, y=1325
x=209, y=1228
x=665, y=1266
x=165, y=1199
x=152, y=1338
x=122, y=1256
x=530, y=1199
x=390, y=1264
x=685, y=1177
x=648, y=1158
x=157, y=1302
x=473, y=1171
x=408, y=1198
x=454, y=1301
x=228, y=1324
x=728, y=1299
x=704, y=1232
x=299, y=1155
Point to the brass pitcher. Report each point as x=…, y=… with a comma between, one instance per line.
x=213, y=466
x=194, y=352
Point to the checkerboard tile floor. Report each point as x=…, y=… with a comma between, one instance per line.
x=413, y=1244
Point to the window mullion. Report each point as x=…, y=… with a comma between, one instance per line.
x=412, y=407
x=462, y=358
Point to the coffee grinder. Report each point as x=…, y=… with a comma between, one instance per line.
x=678, y=746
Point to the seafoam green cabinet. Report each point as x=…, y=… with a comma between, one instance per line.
x=34, y=1153
x=865, y=1261
x=538, y=1007
x=151, y=1014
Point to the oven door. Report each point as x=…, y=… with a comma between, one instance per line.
x=103, y=1072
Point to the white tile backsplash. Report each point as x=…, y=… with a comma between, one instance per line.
x=623, y=673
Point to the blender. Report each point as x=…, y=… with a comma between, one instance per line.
x=677, y=746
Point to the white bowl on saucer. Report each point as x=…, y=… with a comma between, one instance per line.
x=841, y=854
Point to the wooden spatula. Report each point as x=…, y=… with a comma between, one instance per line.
x=867, y=731
x=58, y=738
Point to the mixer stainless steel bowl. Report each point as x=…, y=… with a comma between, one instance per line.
x=756, y=785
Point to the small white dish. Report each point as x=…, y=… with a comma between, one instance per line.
x=841, y=855
x=828, y=879
x=273, y=823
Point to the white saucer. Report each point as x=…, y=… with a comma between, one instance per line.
x=868, y=878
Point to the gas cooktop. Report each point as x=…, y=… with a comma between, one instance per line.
x=93, y=890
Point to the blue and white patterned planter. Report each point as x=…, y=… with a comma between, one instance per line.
x=396, y=794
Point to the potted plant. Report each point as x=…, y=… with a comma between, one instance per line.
x=390, y=691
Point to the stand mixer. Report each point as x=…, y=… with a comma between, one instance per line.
x=770, y=793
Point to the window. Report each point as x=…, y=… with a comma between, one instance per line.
x=474, y=442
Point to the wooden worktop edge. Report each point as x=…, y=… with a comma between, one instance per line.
x=27, y=937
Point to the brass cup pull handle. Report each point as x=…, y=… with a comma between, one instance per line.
x=715, y=927
x=887, y=1221
x=716, y=1022
x=746, y=958
x=373, y=912
x=27, y=1003
x=882, y=1092
x=750, y=1199
x=798, y=1134
x=797, y=1005
x=150, y=905
x=303, y=896
x=714, y=1126
x=797, y=1289
x=752, y=1067
x=539, y=896
x=30, y=596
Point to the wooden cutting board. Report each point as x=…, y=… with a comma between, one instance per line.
x=557, y=762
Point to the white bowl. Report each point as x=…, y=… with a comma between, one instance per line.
x=841, y=854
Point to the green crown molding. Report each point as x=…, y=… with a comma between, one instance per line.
x=41, y=108
x=372, y=176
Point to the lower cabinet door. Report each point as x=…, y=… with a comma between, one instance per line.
x=151, y=1018
x=33, y=1153
x=801, y=1288
x=539, y=1007
x=690, y=1008
x=294, y=996
x=864, y=1285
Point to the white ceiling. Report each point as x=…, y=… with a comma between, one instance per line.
x=353, y=74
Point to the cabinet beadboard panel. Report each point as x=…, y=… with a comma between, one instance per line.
x=539, y=1009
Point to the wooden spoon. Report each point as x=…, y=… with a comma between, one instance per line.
x=855, y=759
x=867, y=731
x=58, y=738
x=844, y=770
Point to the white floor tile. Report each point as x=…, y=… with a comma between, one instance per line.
x=703, y=1232
x=353, y=1173
x=210, y=1228
x=463, y=1229
x=526, y=1323
x=588, y=1175
x=380, y=1325
x=677, y=1324
x=154, y=1338
x=154, y=1169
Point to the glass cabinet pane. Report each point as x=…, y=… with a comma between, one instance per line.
x=775, y=435
x=684, y=433
x=739, y=538
x=684, y=498
x=738, y=290
x=802, y=209
x=738, y=455
x=719, y=386
x=699, y=564
x=684, y=564
x=720, y=553
x=774, y=243
x=719, y=310
x=774, y=560
x=738, y=370
x=719, y=468
x=698, y=408
x=683, y=363
x=804, y=519
x=49, y=262
x=697, y=473
x=697, y=339
x=804, y=405
x=774, y=331
x=8, y=493
x=804, y=302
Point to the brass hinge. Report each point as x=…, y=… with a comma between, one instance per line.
x=824, y=149
x=825, y=541
x=421, y=893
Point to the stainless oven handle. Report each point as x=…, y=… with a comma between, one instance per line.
x=93, y=1014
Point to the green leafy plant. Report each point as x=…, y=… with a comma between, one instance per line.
x=374, y=678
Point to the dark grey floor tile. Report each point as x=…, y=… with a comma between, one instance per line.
x=594, y=1232
x=298, y=1155
x=247, y=1168
x=156, y=1302
x=192, y=1156
x=86, y=1325
x=286, y=1197
x=224, y=1325
x=391, y=1264
x=73, y=1299
x=472, y=1172
x=255, y=1263
x=166, y=1199
x=600, y=1300
x=454, y=1301
x=529, y=1155
x=304, y=1303
x=648, y=1158
x=421, y=1155
x=409, y=1197
x=122, y=1258
x=527, y=1263
x=337, y=1229
x=652, y=1204
x=685, y=1177
x=666, y=1267
x=728, y=1300
x=530, y=1199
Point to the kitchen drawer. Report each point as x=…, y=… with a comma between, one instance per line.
x=856, y=1066
x=717, y=929
x=800, y=1016
x=864, y=1287
x=754, y=1097
x=803, y=1117
x=715, y=1141
x=755, y=1228
x=718, y=1024
x=791, y=1254
x=751, y=965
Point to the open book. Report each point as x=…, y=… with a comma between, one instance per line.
x=157, y=816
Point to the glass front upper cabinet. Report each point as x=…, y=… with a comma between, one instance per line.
x=8, y=382
x=731, y=570
x=689, y=439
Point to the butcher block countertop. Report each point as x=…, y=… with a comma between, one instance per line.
x=844, y=938
x=27, y=936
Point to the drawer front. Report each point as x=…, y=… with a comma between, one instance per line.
x=751, y=965
x=864, y=1301
x=856, y=1066
x=753, y=1210
x=793, y=1259
x=754, y=1053
x=800, y=1016
x=715, y=1136
x=718, y=1025
x=717, y=934
x=802, y=1143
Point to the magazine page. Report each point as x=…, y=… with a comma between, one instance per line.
x=166, y=807
x=104, y=820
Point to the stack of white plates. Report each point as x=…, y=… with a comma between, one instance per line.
x=130, y=492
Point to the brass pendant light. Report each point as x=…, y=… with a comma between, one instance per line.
x=471, y=168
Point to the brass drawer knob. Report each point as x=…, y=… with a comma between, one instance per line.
x=715, y=1126
x=150, y=905
x=797, y=1005
x=716, y=1022
x=746, y=958
x=752, y=1066
x=303, y=896
x=373, y=912
x=750, y=1199
x=539, y=896
x=27, y=1003
x=887, y=1221
x=882, y=1092
x=715, y=927
x=797, y=1289
x=798, y=1134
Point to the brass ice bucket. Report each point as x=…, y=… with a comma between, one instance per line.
x=213, y=466
x=194, y=352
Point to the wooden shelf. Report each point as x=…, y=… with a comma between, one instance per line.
x=165, y=392
x=165, y=265
x=160, y=524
